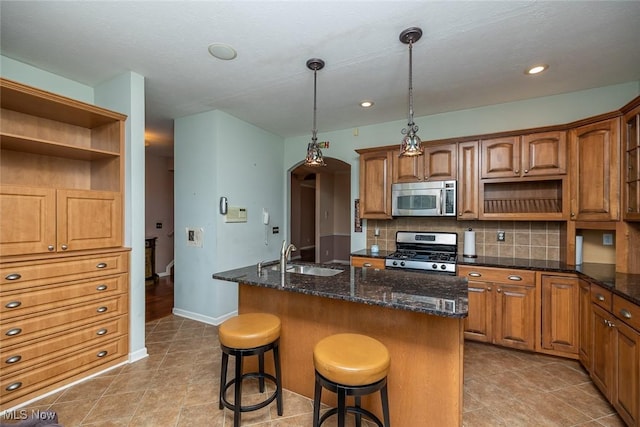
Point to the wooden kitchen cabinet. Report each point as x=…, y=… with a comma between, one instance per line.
x=507, y=317
x=631, y=164
x=378, y=263
x=468, y=178
x=560, y=314
x=64, y=274
x=595, y=165
x=603, y=350
x=536, y=154
x=585, y=342
x=375, y=183
x=438, y=163
x=626, y=394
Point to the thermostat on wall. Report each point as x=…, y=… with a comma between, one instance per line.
x=236, y=214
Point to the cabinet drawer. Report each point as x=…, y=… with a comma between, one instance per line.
x=367, y=262
x=19, y=303
x=24, y=382
x=497, y=275
x=19, y=357
x=601, y=297
x=45, y=271
x=25, y=328
x=626, y=311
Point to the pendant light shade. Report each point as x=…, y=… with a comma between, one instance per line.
x=314, y=154
x=411, y=144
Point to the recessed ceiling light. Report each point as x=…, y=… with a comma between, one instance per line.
x=366, y=104
x=222, y=51
x=537, y=69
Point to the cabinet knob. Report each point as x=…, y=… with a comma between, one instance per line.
x=13, y=359
x=526, y=171
x=573, y=214
x=51, y=248
x=13, y=332
x=600, y=297
x=498, y=290
x=103, y=353
x=14, y=386
x=102, y=309
x=460, y=214
x=101, y=265
x=102, y=331
x=64, y=247
x=13, y=304
x=101, y=288
x=516, y=171
x=489, y=288
x=625, y=313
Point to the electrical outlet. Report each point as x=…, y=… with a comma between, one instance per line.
x=607, y=239
x=501, y=236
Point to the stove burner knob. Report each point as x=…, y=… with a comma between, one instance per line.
x=402, y=263
x=395, y=263
x=443, y=267
x=434, y=266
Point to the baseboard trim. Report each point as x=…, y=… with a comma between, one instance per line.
x=215, y=321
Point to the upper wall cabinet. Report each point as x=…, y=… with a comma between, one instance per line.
x=375, y=184
x=631, y=169
x=439, y=163
x=595, y=164
x=468, y=176
x=536, y=154
x=61, y=170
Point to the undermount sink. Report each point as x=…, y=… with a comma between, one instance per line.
x=310, y=270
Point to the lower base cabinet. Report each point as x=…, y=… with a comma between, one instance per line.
x=62, y=318
x=560, y=314
x=501, y=306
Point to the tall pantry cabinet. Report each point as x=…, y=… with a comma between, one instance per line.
x=64, y=275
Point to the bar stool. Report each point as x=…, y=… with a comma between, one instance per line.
x=249, y=335
x=350, y=365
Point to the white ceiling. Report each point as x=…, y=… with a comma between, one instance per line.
x=472, y=53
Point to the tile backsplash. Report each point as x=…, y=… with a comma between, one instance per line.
x=523, y=239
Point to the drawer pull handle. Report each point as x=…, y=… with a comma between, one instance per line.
x=13, y=276
x=102, y=309
x=102, y=331
x=103, y=353
x=515, y=278
x=475, y=274
x=366, y=264
x=64, y=247
x=13, y=359
x=625, y=313
x=14, y=386
x=101, y=288
x=600, y=297
x=13, y=304
x=101, y=265
x=13, y=332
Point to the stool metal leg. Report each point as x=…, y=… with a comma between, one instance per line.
x=276, y=362
x=261, y=371
x=238, y=392
x=384, y=397
x=358, y=416
x=317, y=394
x=342, y=406
x=223, y=375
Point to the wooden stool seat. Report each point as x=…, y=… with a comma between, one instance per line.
x=251, y=334
x=350, y=365
x=351, y=359
x=249, y=330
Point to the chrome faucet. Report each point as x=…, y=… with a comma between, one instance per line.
x=285, y=252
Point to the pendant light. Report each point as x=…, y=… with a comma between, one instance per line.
x=314, y=155
x=411, y=144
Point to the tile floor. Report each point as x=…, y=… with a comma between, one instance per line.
x=177, y=386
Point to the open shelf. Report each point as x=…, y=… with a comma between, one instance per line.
x=50, y=148
x=529, y=197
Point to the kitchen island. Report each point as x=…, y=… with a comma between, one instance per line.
x=419, y=317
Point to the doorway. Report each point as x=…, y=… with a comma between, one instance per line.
x=320, y=212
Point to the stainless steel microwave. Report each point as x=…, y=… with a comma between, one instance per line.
x=428, y=198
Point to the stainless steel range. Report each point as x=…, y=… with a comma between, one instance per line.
x=430, y=251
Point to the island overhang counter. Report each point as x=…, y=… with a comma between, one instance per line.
x=418, y=316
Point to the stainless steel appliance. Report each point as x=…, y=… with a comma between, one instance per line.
x=428, y=198
x=428, y=251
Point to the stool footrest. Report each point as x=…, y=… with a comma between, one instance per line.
x=354, y=410
x=260, y=405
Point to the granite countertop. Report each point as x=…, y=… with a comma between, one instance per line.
x=434, y=294
x=624, y=285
